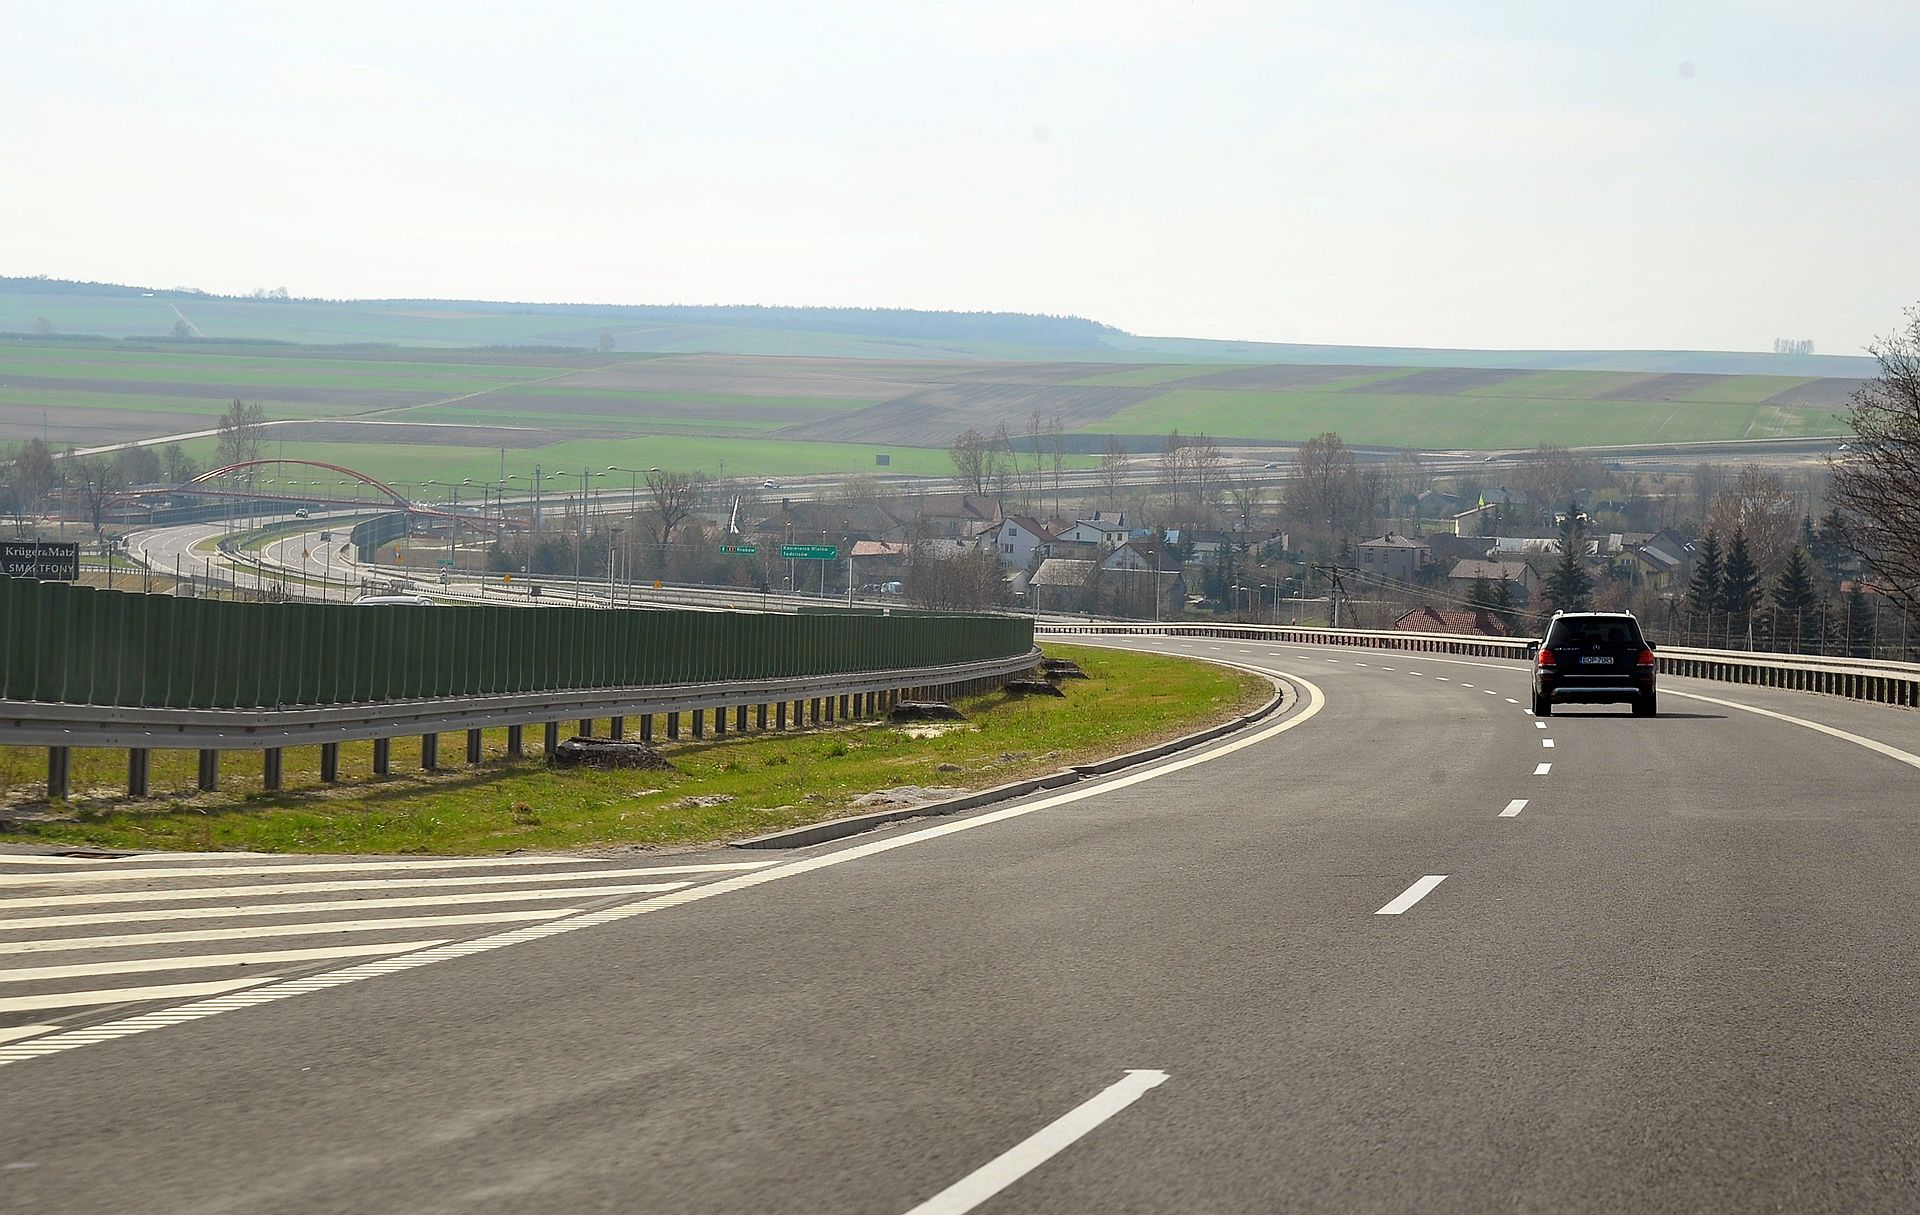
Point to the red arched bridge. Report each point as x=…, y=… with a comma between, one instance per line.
x=315, y=483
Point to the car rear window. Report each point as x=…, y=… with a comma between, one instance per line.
x=1614, y=632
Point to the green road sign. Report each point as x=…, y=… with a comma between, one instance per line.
x=810, y=552
x=444, y=562
x=745, y=550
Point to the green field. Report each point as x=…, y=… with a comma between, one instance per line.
x=1474, y=421
x=413, y=464
x=787, y=417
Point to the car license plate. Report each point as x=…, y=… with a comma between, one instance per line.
x=1596, y=660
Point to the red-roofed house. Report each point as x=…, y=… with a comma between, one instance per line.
x=1476, y=623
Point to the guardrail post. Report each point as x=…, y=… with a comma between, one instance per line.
x=646, y=727
x=430, y=752
x=59, y=773
x=720, y=720
x=616, y=727
x=473, y=746
x=760, y=717
x=550, y=740
x=586, y=727
x=673, y=726
x=516, y=741
x=780, y=716
x=330, y=763
x=740, y=718
x=382, y=756
x=273, y=769
x=139, y=767
x=699, y=723
x=209, y=770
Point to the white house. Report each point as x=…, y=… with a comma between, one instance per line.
x=1015, y=539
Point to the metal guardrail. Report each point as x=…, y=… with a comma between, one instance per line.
x=49, y=724
x=1893, y=683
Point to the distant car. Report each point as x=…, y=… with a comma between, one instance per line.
x=769, y=484
x=393, y=600
x=325, y=536
x=300, y=512
x=1270, y=464
x=1593, y=658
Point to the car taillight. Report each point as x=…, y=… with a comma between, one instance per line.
x=1546, y=658
x=1645, y=659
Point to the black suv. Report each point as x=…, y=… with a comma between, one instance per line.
x=1593, y=658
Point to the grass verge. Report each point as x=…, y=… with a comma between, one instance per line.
x=721, y=788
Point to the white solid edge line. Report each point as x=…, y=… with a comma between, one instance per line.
x=129, y=1026
x=1041, y=1146
x=127, y=995
x=1542, y=769
x=1891, y=752
x=1514, y=807
x=517, y=881
x=1412, y=894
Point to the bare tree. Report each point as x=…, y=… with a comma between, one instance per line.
x=671, y=498
x=964, y=581
x=1113, y=471
x=1876, y=482
x=97, y=480
x=1756, y=504
x=1549, y=477
x=137, y=465
x=176, y=465
x=31, y=474
x=1057, y=456
x=1324, y=488
x=973, y=459
x=240, y=432
x=1246, y=494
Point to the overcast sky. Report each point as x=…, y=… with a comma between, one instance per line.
x=1492, y=174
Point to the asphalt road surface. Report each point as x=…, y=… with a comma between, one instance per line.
x=1404, y=948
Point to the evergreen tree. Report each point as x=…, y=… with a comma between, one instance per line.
x=1503, y=604
x=1570, y=586
x=1703, y=592
x=1796, y=601
x=1480, y=595
x=1859, y=621
x=1739, y=587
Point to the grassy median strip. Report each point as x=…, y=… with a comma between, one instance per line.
x=721, y=787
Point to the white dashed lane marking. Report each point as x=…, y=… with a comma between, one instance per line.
x=1412, y=894
x=1514, y=807
x=1542, y=769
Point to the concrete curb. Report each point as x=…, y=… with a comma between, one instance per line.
x=840, y=828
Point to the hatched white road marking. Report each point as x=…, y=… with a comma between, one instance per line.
x=1413, y=894
x=1539, y=725
x=1041, y=1146
x=1443, y=679
x=126, y=1027
x=1542, y=769
x=1512, y=701
x=127, y=995
x=1386, y=668
x=1490, y=691
x=336, y=905
x=1466, y=685
x=63, y=944
x=192, y=893
x=1514, y=807
x=209, y=961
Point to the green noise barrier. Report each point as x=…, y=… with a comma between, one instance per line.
x=76, y=645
